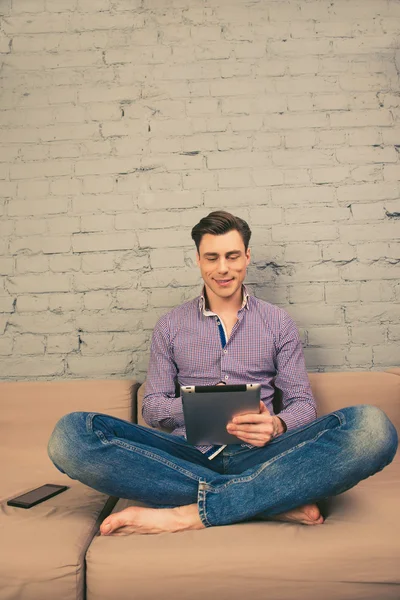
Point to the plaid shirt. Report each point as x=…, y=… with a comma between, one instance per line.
x=189, y=344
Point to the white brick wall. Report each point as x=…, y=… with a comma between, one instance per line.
x=124, y=122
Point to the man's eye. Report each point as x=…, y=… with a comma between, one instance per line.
x=234, y=257
x=211, y=259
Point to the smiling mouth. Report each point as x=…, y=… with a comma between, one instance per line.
x=223, y=281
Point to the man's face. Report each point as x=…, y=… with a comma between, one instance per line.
x=223, y=262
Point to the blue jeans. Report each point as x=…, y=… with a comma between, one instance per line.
x=310, y=463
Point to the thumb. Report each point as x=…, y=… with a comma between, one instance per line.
x=263, y=408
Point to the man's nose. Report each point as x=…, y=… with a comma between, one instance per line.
x=222, y=266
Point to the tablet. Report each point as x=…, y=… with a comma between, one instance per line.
x=208, y=409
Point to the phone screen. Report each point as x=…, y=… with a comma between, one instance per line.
x=38, y=494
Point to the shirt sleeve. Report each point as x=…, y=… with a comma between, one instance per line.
x=160, y=407
x=298, y=404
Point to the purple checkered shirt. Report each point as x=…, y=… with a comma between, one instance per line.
x=190, y=344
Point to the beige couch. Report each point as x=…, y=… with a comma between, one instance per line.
x=54, y=551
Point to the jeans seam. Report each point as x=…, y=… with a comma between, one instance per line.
x=139, y=450
x=201, y=503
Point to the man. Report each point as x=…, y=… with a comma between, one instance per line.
x=284, y=464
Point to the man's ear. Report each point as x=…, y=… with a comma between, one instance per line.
x=248, y=255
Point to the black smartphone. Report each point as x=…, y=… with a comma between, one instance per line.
x=40, y=494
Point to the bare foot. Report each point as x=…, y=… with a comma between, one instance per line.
x=137, y=519
x=309, y=514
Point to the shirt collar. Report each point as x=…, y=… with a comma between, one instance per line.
x=206, y=311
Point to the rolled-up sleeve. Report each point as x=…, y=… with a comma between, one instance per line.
x=160, y=407
x=298, y=404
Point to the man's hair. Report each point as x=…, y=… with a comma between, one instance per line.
x=218, y=223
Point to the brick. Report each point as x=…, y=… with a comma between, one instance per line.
x=87, y=282
x=32, y=367
x=357, y=271
x=8, y=189
x=316, y=215
x=308, y=158
x=64, y=263
x=170, y=278
x=29, y=344
x=109, y=321
x=7, y=304
x=32, y=303
x=97, y=300
x=233, y=198
x=48, y=206
x=304, y=315
x=199, y=180
x=295, y=121
x=162, y=200
x=81, y=131
x=32, y=189
x=40, y=169
x=369, y=232
x=268, y=177
x=338, y=252
x=42, y=323
x=359, y=356
x=95, y=366
x=320, y=357
x=63, y=303
x=306, y=293
x=369, y=191
x=6, y=266
x=294, y=140
x=39, y=283
x=262, y=141
x=366, y=118
x=327, y=336
x=377, y=312
x=92, y=223
x=372, y=250
x=394, y=332
x=64, y=186
x=296, y=176
x=301, y=195
x=62, y=225
x=106, y=241
x=371, y=173
x=134, y=299
x=6, y=345
x=172, y=258
x=362, y=154
x=368, y=212
x=386, y=355
x=170, y=238
x=368, y=334
x=105, y=203
x=134, y=261
x=107, y=165
x=311, y=272
x=93, y=343
x=198, y=143
x=234, y=179
x=62, y=344
x=302, y=253
x=330, y=175
x=97, y=262
x=265, y=216
x=331, y=138
x=377, y=291
x=32, y=264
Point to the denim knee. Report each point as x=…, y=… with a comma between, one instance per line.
x=380, y=435
x=62, y=446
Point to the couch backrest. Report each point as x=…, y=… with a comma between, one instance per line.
x=29, y=410
x=333, y=391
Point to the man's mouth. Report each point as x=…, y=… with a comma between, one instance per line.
x=223, y=282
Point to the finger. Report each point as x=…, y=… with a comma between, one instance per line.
x=251, y=429
x=253, y=418
x=255, y=440
x=263, y=408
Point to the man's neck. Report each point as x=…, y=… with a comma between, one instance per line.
x=223, y=305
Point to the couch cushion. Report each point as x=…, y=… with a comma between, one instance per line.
x=43, y=548
x=354, y=554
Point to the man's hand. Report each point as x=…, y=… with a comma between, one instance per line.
x=256, y=429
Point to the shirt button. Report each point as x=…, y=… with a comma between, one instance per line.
x=218, y=323
x=225, y=351
x=226, y=376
